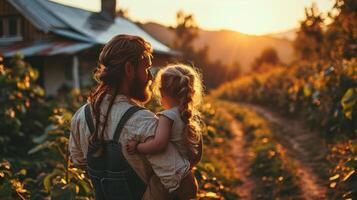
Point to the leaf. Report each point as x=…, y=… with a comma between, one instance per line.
x=39, y=91
x=47, y=181
x=329, y=70
x=307, y=90
x=333, y=185
x=5, y=164
x=334, y=177
x=39, y=147
x=348, y=175
x=348, y=101
x=85, y=185
x=22, y=172
x=40, y=139
x=49, y=128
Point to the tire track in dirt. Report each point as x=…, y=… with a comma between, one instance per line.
x=305, y=148
x=240, y=154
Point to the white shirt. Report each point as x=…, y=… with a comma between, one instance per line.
x=177, y=130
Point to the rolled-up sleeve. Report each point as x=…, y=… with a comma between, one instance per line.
x=142, y=125
x=75, y=148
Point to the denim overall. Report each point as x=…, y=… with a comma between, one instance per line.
x=111, y=175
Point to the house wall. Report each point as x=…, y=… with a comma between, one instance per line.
x=7, y=9
x=87, y=64
x=29, y=31
x=57, y=71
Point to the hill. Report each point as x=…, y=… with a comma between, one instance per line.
x=228, y=46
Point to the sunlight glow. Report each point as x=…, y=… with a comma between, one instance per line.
x=247, y=16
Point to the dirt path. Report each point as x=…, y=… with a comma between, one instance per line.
x=305, y=148
x=245, y=190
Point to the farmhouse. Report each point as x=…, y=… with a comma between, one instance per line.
x=63, y=42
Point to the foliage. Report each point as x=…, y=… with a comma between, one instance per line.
x=275, y=175
x=12, y=184
x=310, y=37
x=341, y=35
x=324, y=96
x=343, y=179
x=269, y=57
x=216, y=178
x=21, y=99
x=335, y=41
x=63, y=181
x=25, y=116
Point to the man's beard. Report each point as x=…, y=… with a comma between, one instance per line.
x=139, y=90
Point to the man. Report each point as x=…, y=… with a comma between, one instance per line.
x=122, y=79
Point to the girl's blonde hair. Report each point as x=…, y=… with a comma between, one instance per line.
x=184, y=83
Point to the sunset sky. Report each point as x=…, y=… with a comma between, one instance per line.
x=247, y=16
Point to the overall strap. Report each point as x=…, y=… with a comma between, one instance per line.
x=89, y=119
x=124, y=119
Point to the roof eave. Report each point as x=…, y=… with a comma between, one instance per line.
x=40, y=25
x=169, y=53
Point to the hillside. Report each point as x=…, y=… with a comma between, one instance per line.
x=228, y=46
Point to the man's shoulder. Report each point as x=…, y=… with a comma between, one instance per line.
x=142, y=116
x=142, y=124
x=79, y=114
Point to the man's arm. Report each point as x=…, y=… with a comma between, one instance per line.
x=74, y=143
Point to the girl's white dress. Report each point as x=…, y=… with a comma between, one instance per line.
x=176, y=168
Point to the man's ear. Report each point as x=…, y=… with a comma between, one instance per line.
x=129, y=70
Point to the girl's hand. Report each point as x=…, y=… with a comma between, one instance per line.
x=131, y=146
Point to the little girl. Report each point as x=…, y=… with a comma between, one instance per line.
x=179, y=89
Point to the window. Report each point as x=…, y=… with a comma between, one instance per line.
x=1, y=28
x=10, y=29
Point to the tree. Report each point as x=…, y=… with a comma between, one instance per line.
x=338, y=41
x=186, y=32
x=342, y=32
x=308, y=43
x=269, y=57
x=122, y=13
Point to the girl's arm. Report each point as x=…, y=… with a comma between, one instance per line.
x=159, y=142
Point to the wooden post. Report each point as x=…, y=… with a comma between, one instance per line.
x=75, y=72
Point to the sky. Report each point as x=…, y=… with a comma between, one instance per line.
x=257, y=17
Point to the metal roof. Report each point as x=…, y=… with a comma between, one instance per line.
x=38, y=15
x=80, y=24
x=44, y=48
